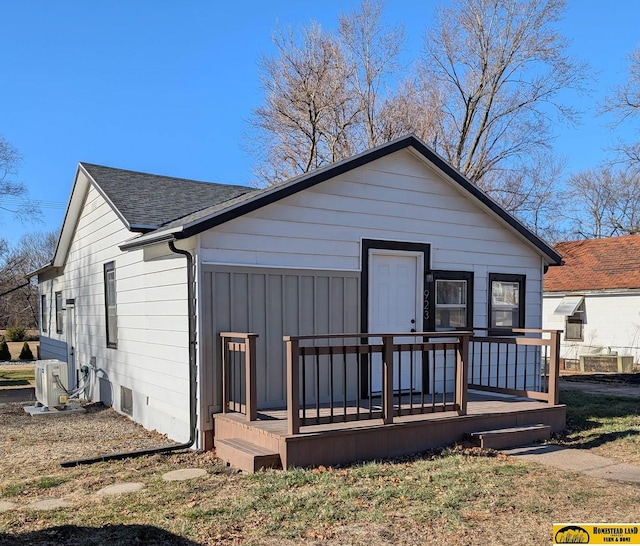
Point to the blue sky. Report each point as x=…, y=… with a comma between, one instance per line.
x=166, y=87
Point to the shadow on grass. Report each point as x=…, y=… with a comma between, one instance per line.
x=13, y=382
x=111, y=535
x=594, y=420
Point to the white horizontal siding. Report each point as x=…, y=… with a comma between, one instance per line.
x=611, y=321
x=394, y=198
x=152, y=355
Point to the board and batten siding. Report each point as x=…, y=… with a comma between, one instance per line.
x=398, y=198
x=152, y=356
x=612, y=321
x=272, y=303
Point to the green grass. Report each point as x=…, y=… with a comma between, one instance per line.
x=16, y=375
x=608, y=424
x=457, y=496
x=47, y=482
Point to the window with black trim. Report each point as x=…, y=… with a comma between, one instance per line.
x=110, y=304
x=574, y=325
x=506, y=300
x=43, y=313
x=59, y=312
x=453, y=299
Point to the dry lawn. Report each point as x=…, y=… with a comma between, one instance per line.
x=460, y=496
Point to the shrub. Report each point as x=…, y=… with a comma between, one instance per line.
x=25, y=353
x=16, y=333
x=5, y=354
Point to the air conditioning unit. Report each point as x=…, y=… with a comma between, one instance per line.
x=51, y=383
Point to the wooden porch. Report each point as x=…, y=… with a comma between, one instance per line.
x=361, y=396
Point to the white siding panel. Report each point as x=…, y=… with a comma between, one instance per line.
x=397, y=198
x=152, y=354
x=612, y=321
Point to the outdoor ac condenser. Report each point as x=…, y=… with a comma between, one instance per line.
x=51, y=383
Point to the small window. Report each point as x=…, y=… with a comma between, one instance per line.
x=574, y=325
x=453, y=301
x=110, y=304
x=43, y=313
x=59, y=312
x=506, y=301
x=451, y=304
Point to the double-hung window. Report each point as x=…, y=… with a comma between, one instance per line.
x=59, y=312
x=506, y=300
x=453, y=292
x=43, y=313
x=110, y=304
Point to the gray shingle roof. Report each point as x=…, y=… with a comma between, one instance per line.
x=149, y=201
x=218, y=213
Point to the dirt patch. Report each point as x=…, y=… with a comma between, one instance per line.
x=605, y=378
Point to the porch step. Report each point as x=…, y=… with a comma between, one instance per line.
x=510, y=437
x=245, y=455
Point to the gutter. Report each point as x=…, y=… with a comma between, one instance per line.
x=192, y=382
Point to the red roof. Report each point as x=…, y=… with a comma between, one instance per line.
x=596, y=264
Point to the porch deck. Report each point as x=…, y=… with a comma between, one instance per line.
x=340, y=443
x=395, y=423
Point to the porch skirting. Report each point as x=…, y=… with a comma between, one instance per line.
x=342, y=443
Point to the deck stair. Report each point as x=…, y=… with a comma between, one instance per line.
x=246, y=456
x=510, y=437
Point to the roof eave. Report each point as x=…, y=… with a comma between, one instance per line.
x=152, y=239
x=315, y=177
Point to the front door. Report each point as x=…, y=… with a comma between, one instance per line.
x=395, y=293
x=71, y=347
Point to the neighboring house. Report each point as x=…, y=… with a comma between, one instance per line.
x=391, y=240
x=595, y=297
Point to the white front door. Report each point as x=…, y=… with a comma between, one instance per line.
x=395, y=306
x=71, y=347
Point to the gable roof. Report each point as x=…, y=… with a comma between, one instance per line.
x=143, y=202
x=219, y=213
x=148, y=201
x=596, y=264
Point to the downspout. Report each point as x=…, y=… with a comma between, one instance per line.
x=192, y=382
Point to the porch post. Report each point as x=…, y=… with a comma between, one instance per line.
x=387, y=379
x=225, y=379
x=293, y=384
x=554, y=368
x=250, y=377
x=462, y=364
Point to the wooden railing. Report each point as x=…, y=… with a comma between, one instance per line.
x=525, y=364
x=369, y=371
x=339, y=378
x=239, y=373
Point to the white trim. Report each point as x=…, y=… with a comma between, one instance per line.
x=426, y=243
x=269, y=266
x=585, y=293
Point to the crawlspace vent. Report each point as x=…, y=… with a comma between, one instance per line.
x=126, y=400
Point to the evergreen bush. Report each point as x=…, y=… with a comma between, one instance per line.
x=16, y=333
x=25, y=353
x=5, y=354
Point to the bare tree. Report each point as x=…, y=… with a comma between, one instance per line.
x=501, y=66
x=605, y=202
x=624, y=103
x=485, y=96
x=325, y=94
x=308, y=110
x=19, y=300
x=372, y=52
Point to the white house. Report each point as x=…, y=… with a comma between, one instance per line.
x=149, y=270
x=595, y=298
